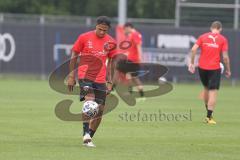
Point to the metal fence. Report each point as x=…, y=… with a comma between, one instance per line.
x=38, y=48
x=200, y=13
x=36, y=44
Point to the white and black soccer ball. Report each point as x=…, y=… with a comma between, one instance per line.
x=90, y=108
x=222, y=68
x=162, y=80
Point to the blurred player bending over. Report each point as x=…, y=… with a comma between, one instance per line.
x=212, y=44
x=91, y=73
x=131, y=65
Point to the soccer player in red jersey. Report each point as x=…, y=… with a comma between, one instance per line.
x=92, y=51
x=212, y=45
x=131, y=66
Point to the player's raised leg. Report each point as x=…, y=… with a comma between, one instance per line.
x=86, y=94
x=100, y=90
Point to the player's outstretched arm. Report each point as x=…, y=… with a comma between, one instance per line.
x=71, y=77
x=226, y=61
x=191, y=66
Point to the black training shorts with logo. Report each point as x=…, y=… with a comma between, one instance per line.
x=210, y=78
x=127, y=66
x=98, y=89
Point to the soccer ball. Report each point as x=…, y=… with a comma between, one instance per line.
x=90, y=108
x=222, y=68
x=162, y=80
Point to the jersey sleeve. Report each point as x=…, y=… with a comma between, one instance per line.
x=137, y=38
x=199, y=41
x=113, y=51
x=225, y=45
x=78, y=45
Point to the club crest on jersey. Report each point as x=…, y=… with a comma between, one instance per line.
x=109, y=46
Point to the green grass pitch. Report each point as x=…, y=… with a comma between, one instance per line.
x=29, y=129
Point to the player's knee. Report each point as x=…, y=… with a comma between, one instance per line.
x=99, y=115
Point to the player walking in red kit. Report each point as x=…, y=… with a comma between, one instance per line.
x=212, y=45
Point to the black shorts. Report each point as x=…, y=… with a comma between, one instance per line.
x=98, y=89
x=127, y=66
x=210, y=78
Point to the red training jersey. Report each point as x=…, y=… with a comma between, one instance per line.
x=93, y=52
x=212, y=45
x=132, y=53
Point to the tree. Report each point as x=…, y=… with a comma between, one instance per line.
x=136, y=8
